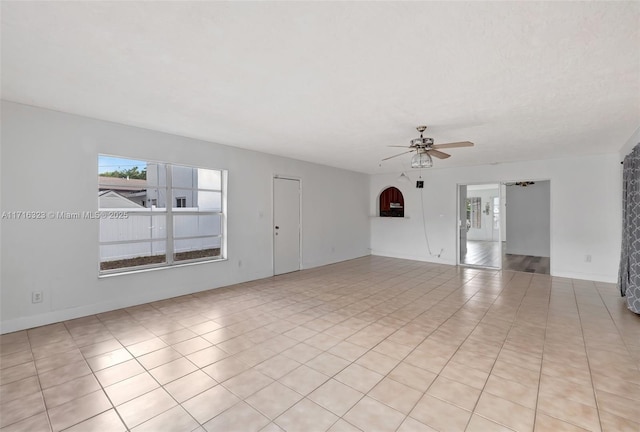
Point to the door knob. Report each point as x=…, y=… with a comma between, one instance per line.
x=277, y=227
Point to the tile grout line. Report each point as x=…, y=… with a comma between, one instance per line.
x=372, y=349
x=44, y=401
x=318, y=299
x=147, y=371
x=497, y=356
x=624, y=342
x=93, y=373
x=544, y=343
x=586, y=352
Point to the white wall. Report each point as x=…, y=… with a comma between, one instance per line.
x=529, y=223
x=585, y=212
x=486, y=231
x=49, y=163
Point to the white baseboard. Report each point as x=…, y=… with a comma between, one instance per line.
x=311, y=264
x=587, y=276
x=51, y=317
x=434, y=260
x=55, y=316
x=596, y=277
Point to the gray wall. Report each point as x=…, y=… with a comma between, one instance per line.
x=50, y=163
x=528, y=220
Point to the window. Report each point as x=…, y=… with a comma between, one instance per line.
x=474, y=212
x=134, y=235
x=496, y=213
x=391, y=203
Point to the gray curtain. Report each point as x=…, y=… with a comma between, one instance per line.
x=629, y=276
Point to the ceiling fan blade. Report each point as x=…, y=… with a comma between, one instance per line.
x=391, y=157
x=453, y=145
x=438, y=154
x=401, y=146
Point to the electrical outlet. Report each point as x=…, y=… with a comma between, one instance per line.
x=587, y=258
x=36, y=297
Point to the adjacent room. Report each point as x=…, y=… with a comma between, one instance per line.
x=319, y=216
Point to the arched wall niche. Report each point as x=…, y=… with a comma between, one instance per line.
x=391, y=203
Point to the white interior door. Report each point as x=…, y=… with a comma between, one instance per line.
x=286, y=228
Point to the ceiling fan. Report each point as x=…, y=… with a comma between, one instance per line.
x=521, y=183
x=425, y=148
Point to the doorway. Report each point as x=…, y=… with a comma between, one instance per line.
x=527, y=232
x=286, y=225
x=505, y=226
x=479, y=225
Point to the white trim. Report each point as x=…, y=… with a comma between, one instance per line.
x=500, y=183
x=168, y=168
x=159, y=266
x=594, y=277
x=168, y=212
x=423, y=258
x=147, y=296
x=458, y=223
x=224, y=184
x=587, y=276
x=461, y=264
x=500, y=206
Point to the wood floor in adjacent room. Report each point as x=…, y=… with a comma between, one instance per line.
x=372, y=344
x=487, y=254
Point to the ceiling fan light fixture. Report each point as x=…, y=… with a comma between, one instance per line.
x=421, y=142
x=421, y=159
x=425, y=149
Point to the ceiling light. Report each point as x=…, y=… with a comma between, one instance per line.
x=421, y=160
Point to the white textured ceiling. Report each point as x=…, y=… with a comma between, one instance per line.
x=337, y=82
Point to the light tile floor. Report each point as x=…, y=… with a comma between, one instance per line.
x=372, y=344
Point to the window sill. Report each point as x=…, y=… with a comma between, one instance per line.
x=161, y=267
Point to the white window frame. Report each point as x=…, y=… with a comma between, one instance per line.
x=475, y=213
x=169, y=213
